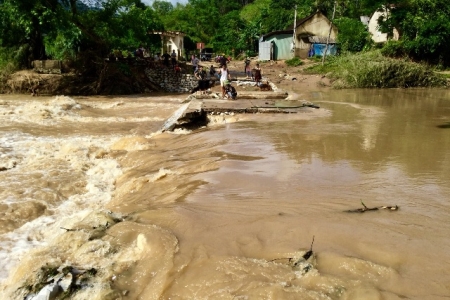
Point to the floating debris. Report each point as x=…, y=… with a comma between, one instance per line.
x=365, y=208
x=58, y=283
x=303, y=262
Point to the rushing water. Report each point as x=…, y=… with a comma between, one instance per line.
x=214, y=213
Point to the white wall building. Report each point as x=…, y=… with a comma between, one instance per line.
x=377, y=35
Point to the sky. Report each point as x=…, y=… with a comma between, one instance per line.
x=174, y=2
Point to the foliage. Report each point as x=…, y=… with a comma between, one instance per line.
x=372, y=70
x=353, y=35
x=293, y=62
x=88, y=30
x=7, y=65
x=393, y=49
x=424, y=26
x=60, y=28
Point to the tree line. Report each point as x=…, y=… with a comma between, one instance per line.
x=81, y=30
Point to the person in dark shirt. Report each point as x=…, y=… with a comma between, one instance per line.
x=200, y=74
x=166, y=58
x=173, y=58
x=258, y=74
x=212, y=71
x=223, y=60
x=230, y=92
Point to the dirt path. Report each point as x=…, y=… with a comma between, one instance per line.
x=290, y=79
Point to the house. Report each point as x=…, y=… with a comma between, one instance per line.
x=171, y=40
x=276, y=45
x=373, y=27
x=311, y=35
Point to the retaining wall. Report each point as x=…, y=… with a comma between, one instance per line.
x=170, y=81
x=47, y=66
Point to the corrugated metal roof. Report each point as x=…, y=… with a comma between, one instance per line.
x=268, y=35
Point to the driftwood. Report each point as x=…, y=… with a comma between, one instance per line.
x=293, y=261
x=305, y=256
x=365, y=208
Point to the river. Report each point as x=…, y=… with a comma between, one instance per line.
x=217, y=212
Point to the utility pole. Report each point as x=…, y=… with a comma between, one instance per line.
x=329, y=33
x=294, y=36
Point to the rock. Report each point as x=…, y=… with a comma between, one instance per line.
x=48, y=292
x=66, y=282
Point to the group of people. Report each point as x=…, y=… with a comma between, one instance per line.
x=255, y=74
x=222, y=59
x=228, y=91
x=167, y=58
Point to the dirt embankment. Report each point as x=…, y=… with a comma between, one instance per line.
x=111, y=79
x=290, y=79
x=116, y=79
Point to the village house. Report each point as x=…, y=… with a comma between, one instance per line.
x=171, y=40
x=373, y=27
x=311, y=35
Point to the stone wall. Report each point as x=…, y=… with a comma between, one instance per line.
x=47, y=66
x=170, y=81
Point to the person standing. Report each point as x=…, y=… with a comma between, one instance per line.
x=166, y=57
x=212, y=72
x=157, y=59
x=258, y=74
x=200, y=74
x=224, y=77
x=223, y=60
x=174, y=58
x=247, y=65
x=194, y=62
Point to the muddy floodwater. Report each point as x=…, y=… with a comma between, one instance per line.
x=216, y=213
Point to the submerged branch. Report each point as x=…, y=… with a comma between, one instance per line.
x=365, y=208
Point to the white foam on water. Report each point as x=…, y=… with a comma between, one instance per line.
x=63, y=108
x=160, y=174
x=44, y=154
x=180, y=131
x=114, y=119
x=128, y=104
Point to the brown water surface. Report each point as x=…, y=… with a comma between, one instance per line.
x=215, y=213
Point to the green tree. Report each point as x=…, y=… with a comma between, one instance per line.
x=59, y=28
x=424, y=27
x=353, y=35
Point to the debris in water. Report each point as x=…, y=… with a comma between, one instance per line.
x=303, y=262
x=365, y=208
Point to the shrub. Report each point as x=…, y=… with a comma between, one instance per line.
x=353, y=35
x=393, y=49
x=372, y=70
x=294, y=62
x=8, y=63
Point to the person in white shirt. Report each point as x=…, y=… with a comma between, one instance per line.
x=224, y=77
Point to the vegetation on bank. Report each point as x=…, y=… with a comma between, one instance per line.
x=84, y=32
x=373, y=70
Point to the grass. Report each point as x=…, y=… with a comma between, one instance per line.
x=294, y=62
x=373, y=70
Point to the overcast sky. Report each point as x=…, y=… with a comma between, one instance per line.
x=174, y=2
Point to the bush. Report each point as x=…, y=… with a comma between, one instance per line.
x=372, y=70
x=353, y=35
x=8, y=63
x=294, y=62
x=393, y=49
